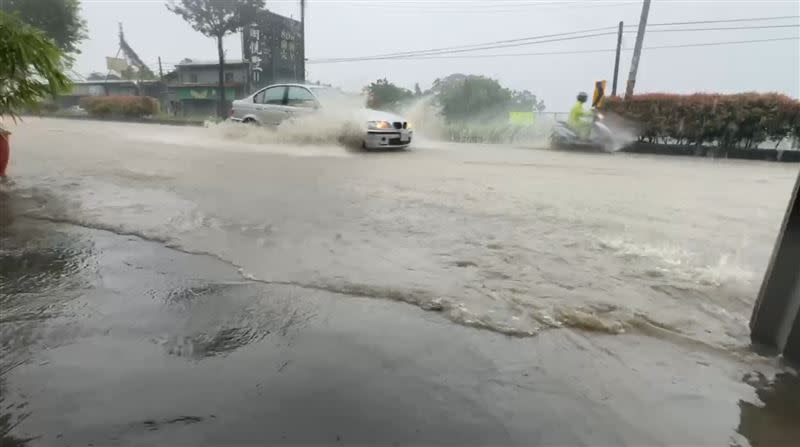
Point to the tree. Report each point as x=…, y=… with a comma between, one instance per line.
x=216, y=19
x=468, y=97
x=525, y=101
x=382, y=94
x=59, y=19
x=417, y=90
x=465, y=97
x=30, y=67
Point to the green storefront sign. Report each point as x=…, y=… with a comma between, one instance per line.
x=204, y=93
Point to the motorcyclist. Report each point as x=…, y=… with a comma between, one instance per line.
x=579, y=117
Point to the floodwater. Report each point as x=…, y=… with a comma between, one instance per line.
x=210, y=286
x=513, y=240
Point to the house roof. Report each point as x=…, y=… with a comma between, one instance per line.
x=115, y=81
x=193, y=63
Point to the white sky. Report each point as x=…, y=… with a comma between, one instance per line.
x=346, y=28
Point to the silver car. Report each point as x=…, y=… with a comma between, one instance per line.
x=275, y=104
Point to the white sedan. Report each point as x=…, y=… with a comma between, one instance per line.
x=274, y=104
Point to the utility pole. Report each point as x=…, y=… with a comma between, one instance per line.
x=616, y=61
x=164, y=90
x=303, y=38
x=637, y=50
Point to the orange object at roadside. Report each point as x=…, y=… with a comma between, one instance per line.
x=5, y=151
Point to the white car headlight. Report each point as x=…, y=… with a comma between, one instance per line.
x=379, y=125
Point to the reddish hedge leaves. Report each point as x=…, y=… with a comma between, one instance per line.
x=740, y=120
x=120, y=106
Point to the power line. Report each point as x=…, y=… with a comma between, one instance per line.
x=458, y=47
x=416, y=55
x=446, y=7
x=608, y=50
x=722, y=28
x=537, y=39
x=749, y=19
x=464, y=50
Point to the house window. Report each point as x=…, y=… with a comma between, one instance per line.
x=193, y=78
x=228, y=77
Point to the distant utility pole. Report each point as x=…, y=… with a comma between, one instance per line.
x=303, y=37
x=161, y=71
x=637, y=50
x=616, y=61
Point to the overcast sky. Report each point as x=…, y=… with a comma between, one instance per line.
x=347, y=28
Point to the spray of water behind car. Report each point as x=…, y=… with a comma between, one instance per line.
x=313, y=114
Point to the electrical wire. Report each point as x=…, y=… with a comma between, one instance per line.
x=497, y=42
x=699, y=22
x=606, y=50
x=722, y=28
x=485, y=8
x=531, y=40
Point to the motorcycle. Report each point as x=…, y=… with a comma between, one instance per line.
x=600, y=136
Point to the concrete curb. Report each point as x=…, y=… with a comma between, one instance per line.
x=790, y=156
x=195, y=123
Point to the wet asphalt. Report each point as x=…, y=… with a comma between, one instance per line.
x=110, y=335
x=112, y=340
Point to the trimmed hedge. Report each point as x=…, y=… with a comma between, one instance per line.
x=729, y=121
x=120, y=106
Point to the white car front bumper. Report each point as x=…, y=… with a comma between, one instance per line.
x=390, y=138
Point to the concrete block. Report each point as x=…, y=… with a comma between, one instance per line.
x=778, y=302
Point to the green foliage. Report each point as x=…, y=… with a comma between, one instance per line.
x=59, y=19
x=120, y=106
x=464, y=99
x=741, y=120
x=525, y=101
x=473, y=108
x=215, y=18
x=30, y=67
x=384, y=95
x=472, y=97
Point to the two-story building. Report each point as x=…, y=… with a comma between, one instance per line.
x=194, y=84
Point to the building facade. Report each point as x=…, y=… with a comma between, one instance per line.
x=193, y=87
x=274, y=46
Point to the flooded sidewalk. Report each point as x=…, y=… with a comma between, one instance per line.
x=112, y=340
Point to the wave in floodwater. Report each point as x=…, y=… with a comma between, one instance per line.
x=339, y=127
x=679, y=263
x=693, y=294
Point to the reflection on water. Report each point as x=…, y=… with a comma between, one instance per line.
x=36, y=258
x=217, y=319
x=774, y=422
x=41, y=268
x=9, y=418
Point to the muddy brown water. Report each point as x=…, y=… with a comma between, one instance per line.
x=508, y=239
x=152, y=253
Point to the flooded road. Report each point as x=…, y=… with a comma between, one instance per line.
x=161, y=283
x=512, y=240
